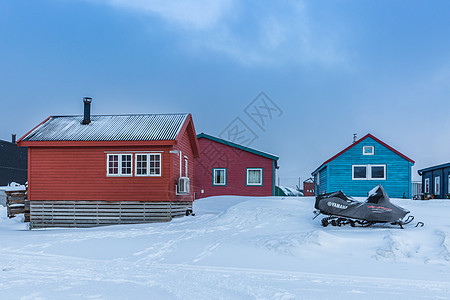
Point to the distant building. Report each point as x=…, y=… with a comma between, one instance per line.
x=287, y=191
x=436, y=181
x=227, y=168
x=13, y=163
x=308, y=187
x=363, y=165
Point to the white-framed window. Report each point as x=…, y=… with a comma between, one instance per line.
x=427, y=186
x=359, y=172
x=120, y=165
x=437, y=185
x=369, y=172
x=378, y=172
x=219, y=176
x=448, y=185
x=148, y=164
x=318, y=178
x=141, y=165
x=186, y=166
x=254, y=176
x=368, y=150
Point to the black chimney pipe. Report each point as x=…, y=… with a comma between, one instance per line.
x=13, y=138
x=87, y=110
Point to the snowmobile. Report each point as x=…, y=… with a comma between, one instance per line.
x=377, y=208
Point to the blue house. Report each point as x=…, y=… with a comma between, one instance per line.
x=436, y=181
x=363, y=165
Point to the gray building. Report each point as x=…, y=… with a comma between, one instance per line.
x=13, y=163
x=436, y=181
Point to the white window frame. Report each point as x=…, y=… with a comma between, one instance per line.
x=148, y=165
x=247, y=177
x=426, y=188
x=384, y=173
x=353, y=172
x=448, y=185
x=437, y=185
x=224, y=177
x=186, y=166
x=119, y=171
x=136, y=164
x=368, y=172
x=372, y=152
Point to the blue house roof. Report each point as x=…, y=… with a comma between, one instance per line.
x=447, y=165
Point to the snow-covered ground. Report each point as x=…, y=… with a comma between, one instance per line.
x=234, y=248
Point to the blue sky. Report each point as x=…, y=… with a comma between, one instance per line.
x=333, y=68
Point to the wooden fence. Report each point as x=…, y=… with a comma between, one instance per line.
x=17, y=203
x=100, y=213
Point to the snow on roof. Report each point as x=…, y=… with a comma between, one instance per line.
x=289, y=191
x=145, y=127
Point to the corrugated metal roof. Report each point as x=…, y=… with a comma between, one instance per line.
x=148, y=127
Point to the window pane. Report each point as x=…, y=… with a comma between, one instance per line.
x=437, y=185
x=254, y=176
x=113, y=164
x=155, y=164
x=368, y=149
x=359, y=172
x=126, y=164
x=141, y=164
x=219, y=177
x=378, y=172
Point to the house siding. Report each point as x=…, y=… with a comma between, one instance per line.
x=13, y=163
x=398, y=170
x=79, y=173
x=236, y=161
x=322, y=188
x=339, y=171
x=443, y=173
x=185, y=146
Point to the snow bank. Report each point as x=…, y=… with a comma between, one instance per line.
x=234, y=248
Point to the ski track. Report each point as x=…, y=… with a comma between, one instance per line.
x=73, y=278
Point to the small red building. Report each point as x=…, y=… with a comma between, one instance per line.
x=226, y=168
x=308, y=187
x=97, y=170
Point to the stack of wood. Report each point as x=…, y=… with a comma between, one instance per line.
x=17, y=203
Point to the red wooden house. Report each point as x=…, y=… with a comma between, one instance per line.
x=110, y=169
x=308, y=187
x=226, y=168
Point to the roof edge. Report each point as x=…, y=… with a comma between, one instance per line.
x=433, y=168
x=29, y=132
x=228, y=143
x=359, y=141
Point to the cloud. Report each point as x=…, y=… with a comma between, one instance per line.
x=189, y=15
x=252, y=33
